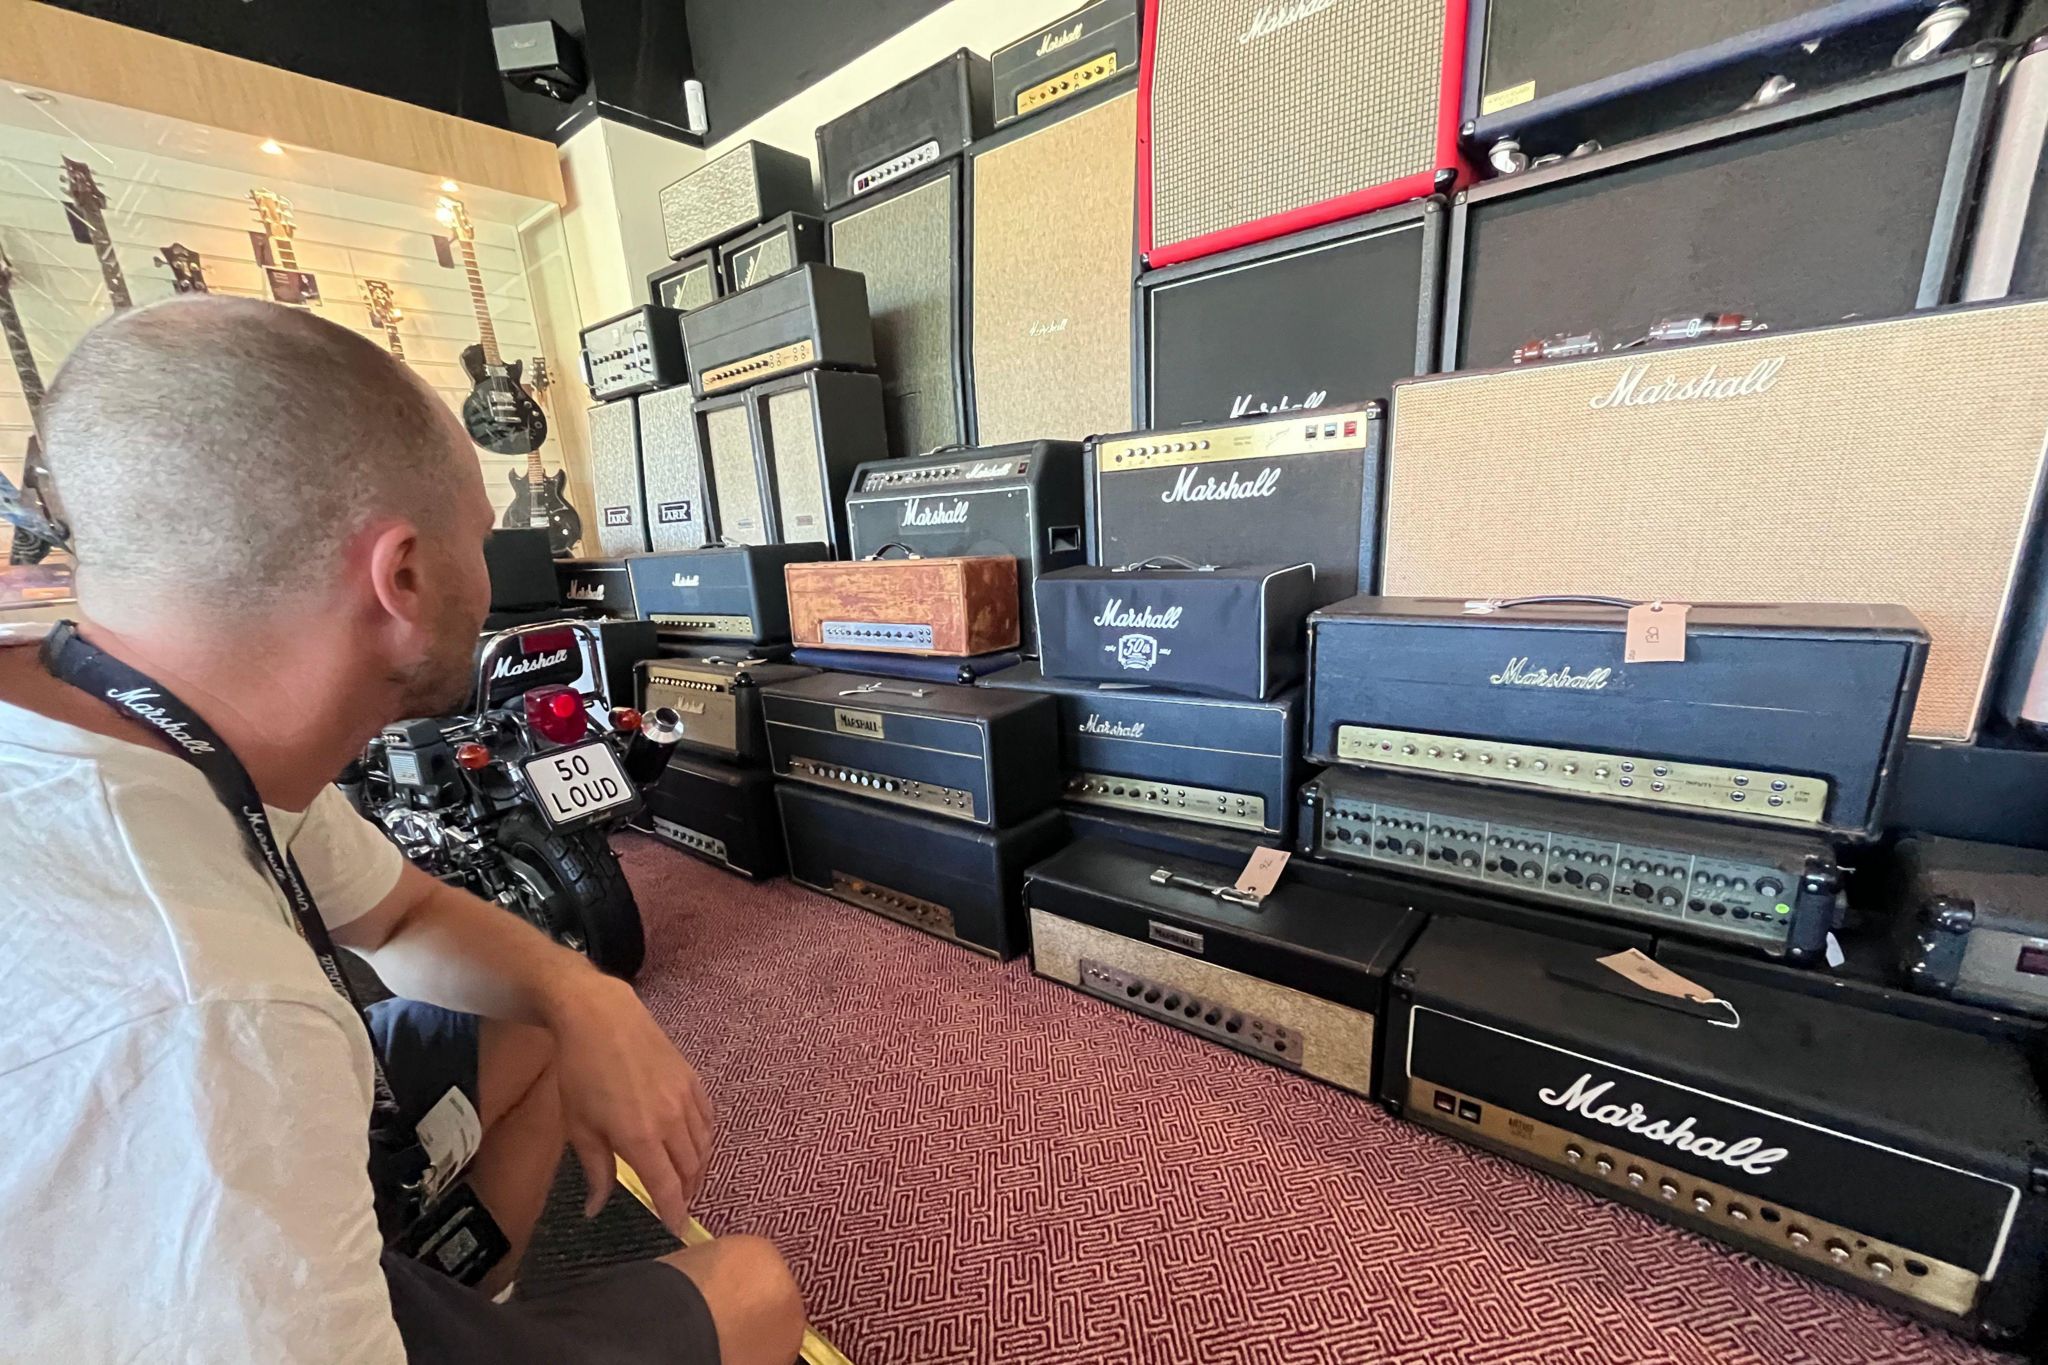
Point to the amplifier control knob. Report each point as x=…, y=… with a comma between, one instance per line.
x=1574, y=1154
x=1799, y=1237
x=1668, y=1190
x=1541, y=765
x=1636, y=1176
x=1604, y=1165
x=1738, y=1212
x=1600, y=772
x=1596, y=885
x=1411, y=848
x=1770, y=887
x=1702, y=1203
x=1838, y=1249
x=1879, y=1266
x=1435, y=752
x=1512, y=762
x=1458, y=754
x=1569, y=769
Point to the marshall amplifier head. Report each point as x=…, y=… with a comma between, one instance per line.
x=1972, y=921
x=1339, y=106
x=723, y=592
x=1893, y=1158
x=1580, y=449
x=601, y=587
x=726, y=816
x=956, y=605
x=1068, y=56
x=914, y=124
x=1218, y=761
x=1847, y=203
x=633, y=352
x=687, y=285
x=1050, y=303
x=948, y=879
x=774, y=248
x=672, y=471
x=750, y=183
x=1297, y=981
x=520, y=568
x=1331, y=316
x=1783, y=714
x=966, y=753
x=814, y=430
x=908, y=243
x=1218, y=493
x=1125, y=625
x=621, y=521
x=719, y=701
x=814, y=315
x=1021, y=500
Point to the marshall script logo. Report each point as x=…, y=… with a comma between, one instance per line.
x=532, y=663
x=581, y=591
x=1213, y=489
x=1046, y=329
x=1519, y=674
x=683, y=580
x=918, y=512
x=1142, y=618
x=1121, y=729
x=1272, y=18
x=1053, y=42
x=137, y=699
x=1632, y=391
x=1250, y=405
x=1583, y=1098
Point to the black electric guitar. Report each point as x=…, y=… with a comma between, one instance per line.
x=537, y=498
x=87, y=212
x=27, y=548
x=500, y=414
x=183, y=263
x=276, y=254
x=385, y=314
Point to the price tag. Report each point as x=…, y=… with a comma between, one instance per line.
x=1263, y=871
x=1654, y=976
x=1656, y=633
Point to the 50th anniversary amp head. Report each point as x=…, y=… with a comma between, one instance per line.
x=1221, y=632
x=1073, y=53
x=751, y=182
x=811, y=316
x=914, y=124
x=722, y=592
x=719, y=700
x=1792, y=714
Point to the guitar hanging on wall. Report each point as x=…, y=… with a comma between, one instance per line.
x=537, y=497
x=87, y=212
x=183, y=262
x=385, y=314
x=276, y=254
x=500, y=414
x=27, y=548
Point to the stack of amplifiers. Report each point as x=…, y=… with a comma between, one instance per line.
x=1049, y=309
x=774, y=248
x=1330, y=316
x=722, y=814
x=719, y=700
x=1023, y=500
x=781, y=455
x=933, y=748
x=917, y=122
x=1766, y=423
x=1897, y=1159
x=814, y=315
x=1216, y=494
x=720, y=593
x=1296, y=981
x=638, y=350
x=621, y=523
x=1847, y=203
x=958, y=606
x=1391, y=135
x=672, y=471
x=750, y=183
x=1790, y=714
x=909, y=245
x=1213, y=760
x=1074, y=53
x=598, y=587
x=687, y=285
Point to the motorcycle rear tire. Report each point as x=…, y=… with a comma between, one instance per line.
x=588, y=904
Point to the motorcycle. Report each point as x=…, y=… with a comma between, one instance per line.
x=516, y=800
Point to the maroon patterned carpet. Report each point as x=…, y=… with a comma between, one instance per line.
x=966, y=1163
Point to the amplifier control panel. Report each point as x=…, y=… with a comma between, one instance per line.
x=634, y=352
x=690, y=838
x=755, y=368
x=1266, y=438
x=901, y=791
x=1082, y=76
x=742, y=626
x=1213, y=1019
x=1175, y=799
x=918, y=913
x=963, y=471
x=896, y=167
x=876, y=634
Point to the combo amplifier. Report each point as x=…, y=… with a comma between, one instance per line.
x=1897, y=1159
x=1763, y=890
x=1296, y=980
x=672, y=471
x=1973, y=922
x=520, y=568
x=956, y=605
x=722, y=592
x=1217, y=494
x=946, y=878
x=1049, y=307
x=2009, y=242
x=1342, y=108
x=1215, y=760
x=913, y=124
x=1791, y=714
x=747, y=185
x=688, y=284
x=719, y=700
x=1073, y=53
x=633, y=352
x=1022, y=500
x=774, y=248
x=1767, y=423
x=621, y=522
x=1326, y=317
x=1847, y=203
x=1123, y=625
x=965, y=753
x=600, y=587
x=727, y=816
x=781, y=455
x=814, y=315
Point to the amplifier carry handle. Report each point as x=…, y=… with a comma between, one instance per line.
x=1164, y=562
x=1480, y=606
x=883, y=552
x=869, y=689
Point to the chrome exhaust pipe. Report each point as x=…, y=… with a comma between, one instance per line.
x=647, y=753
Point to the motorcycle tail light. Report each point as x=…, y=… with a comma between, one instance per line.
x=625, y=718
x=557, y=713
x=472, y=756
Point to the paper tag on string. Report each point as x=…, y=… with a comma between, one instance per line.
x=1262, y=873
x=1654, y=976
x=1836, y=957
x=1656, y=633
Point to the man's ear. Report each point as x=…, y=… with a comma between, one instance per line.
x=397, y=568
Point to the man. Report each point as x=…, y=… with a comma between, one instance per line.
x=282, y=528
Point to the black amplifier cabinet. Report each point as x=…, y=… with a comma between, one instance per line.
x=913, y=124
x=1023, y=500
x=725, y=815
x=599, y=587
x=719, y=700
x=1217, y=494
x=946, y=878
x=1972, y=922
x=1124, y=625
x=814, y=315
x=752, y=182
x=1890, y=1157
x=722, y=592
x=1220, y=761
x=1768, y=891
x=989, y=758
x=1792, y=713
x=520, y=568
x=1067, y=56
x=776, y=247
x=687, y=285
x=1297, y=982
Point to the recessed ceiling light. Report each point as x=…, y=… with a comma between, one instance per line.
x=269, y=145
x=449, y=187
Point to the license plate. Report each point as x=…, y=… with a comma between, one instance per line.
x=575, y=784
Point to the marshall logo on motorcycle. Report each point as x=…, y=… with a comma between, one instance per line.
x=719, y=700
x=536, y=657
x=722, y=592
x=1214, y=494
x=1788, y=714
x=1125, y=625
x=1893, y=1157
x=957, y=605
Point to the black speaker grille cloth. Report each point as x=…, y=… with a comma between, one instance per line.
x=1337, y=320
x=905, y=246
x=690, y=289
x=1526, y=40
x=1803, y=225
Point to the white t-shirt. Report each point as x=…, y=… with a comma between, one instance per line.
x=188, y=1100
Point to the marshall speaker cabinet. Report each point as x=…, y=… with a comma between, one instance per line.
x=913, y=124
x=1021, y=500
x=727, y=816
x=1296, y=981
x=1124, y=625
x=812, y=316
x=955, y=605
x=723, y=593
x=1897, y=1159
x=1847, y=203
x=1051, y=265
x=621, y=521
x=1823, y=438
x=672, y=471
x=687, y=285
x=1340, y=109
x=1218, y=494
x=781, y=454
x=1074, y=53
x=1330, y=316
x=1782, y=714
x=774, y=248
x=719, y=700
x=750, y=183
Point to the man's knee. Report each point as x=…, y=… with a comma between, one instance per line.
x=752, y=1295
